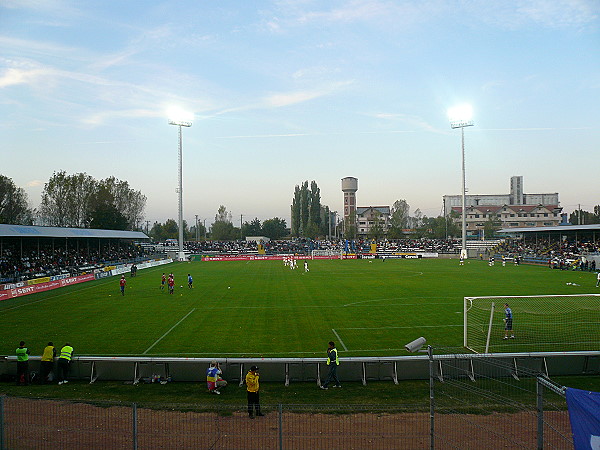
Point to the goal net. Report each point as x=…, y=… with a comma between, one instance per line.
x=541, y=323
x=325, y=254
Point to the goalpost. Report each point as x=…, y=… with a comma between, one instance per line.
x=327, y=254
x=540, y=323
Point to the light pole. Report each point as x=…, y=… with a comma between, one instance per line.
x=461, y=117
x=180, y=119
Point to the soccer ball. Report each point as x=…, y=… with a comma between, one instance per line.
x=181, y=287
x=228, y=287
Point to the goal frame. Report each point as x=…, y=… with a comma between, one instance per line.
x=468, y=301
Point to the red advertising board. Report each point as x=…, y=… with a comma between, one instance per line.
x=41, y=287
x=267, y=258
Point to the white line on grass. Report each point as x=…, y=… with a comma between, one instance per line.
x=386, y=328
x=170, y=329
x=340, y=339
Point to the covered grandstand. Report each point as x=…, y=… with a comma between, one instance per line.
x=33, y=251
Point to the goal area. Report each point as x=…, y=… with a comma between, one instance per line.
x=325, y=254
x=540, y=323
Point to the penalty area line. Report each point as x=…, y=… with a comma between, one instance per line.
x=339, y=339
x=170, y=329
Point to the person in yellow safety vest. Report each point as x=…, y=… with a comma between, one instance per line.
x=47, y=363
x=333, y=362
x=22, y=353
x=252, y=388
x=64, y=363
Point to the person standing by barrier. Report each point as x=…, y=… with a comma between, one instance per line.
x=22, y=353
x=333, y=362
x=64, y=363
x=252, y=388
x=47, y=363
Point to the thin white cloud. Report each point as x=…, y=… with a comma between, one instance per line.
x=34, y=183
x=292, y=98
x=413, y=121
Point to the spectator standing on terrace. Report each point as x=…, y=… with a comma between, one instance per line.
x=47, y=363
x=64, y=363
x=123, y=282
x=22, y=353
x=332, y=362
x=252, y=387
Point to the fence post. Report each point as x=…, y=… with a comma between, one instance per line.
x=539, y=389
x=2, y=397
x=280, y=427
x=431, y=399
x=135, y=421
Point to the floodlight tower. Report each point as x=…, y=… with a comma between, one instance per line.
x=180, y=119
x=461, y=117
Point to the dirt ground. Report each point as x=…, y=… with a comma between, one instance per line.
x=46, y=424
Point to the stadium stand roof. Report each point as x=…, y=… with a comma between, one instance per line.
x=556, y=229
x=24, y=231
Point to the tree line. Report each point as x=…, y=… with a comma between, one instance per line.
x=222, y=229
x=77, y=200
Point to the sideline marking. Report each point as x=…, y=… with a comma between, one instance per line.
x=340, y=339
x=170, y=329
x=386, y=328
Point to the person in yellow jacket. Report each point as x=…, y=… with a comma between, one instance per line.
x=252, y=388
x=64, y=363
x=333, y=362
x=47, y=363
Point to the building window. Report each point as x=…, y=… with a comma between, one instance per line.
x=547, y=224
x=513, y=224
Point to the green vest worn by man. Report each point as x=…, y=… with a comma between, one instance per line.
x=66, y=352
x=22, y=354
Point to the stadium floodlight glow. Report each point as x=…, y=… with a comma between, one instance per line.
x=461, y=117
x=180, y=118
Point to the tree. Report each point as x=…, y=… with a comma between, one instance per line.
x=581, y=217
x=105, y=214
x=252, y=228
x=491, y=226
x=274, y=228
x=14, y=208
x=306, y=210
x=295, y=225
x=376, y=230
x=70, y=201
x=400, y=214
x=128, y=202
x=66, y=200
x=350, y=226
x=222, y=228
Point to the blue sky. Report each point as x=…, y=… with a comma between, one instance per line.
x=285, y=91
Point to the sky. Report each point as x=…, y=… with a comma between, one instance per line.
x=286, y=91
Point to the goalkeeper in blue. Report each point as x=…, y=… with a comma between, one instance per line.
x=508, y=322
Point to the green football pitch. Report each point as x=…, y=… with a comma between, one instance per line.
x=262, y=308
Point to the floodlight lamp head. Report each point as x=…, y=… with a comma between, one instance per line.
x=415, y=345
x=179, y=117
x=461, y=116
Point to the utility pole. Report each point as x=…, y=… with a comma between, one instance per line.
x=241, y=223
x=147, y=223
x=196, y=227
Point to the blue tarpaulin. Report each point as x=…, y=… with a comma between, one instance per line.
x=584, y=413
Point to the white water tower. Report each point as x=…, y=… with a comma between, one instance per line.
x=349, y=188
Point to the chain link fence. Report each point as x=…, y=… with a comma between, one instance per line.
x=481, y=403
